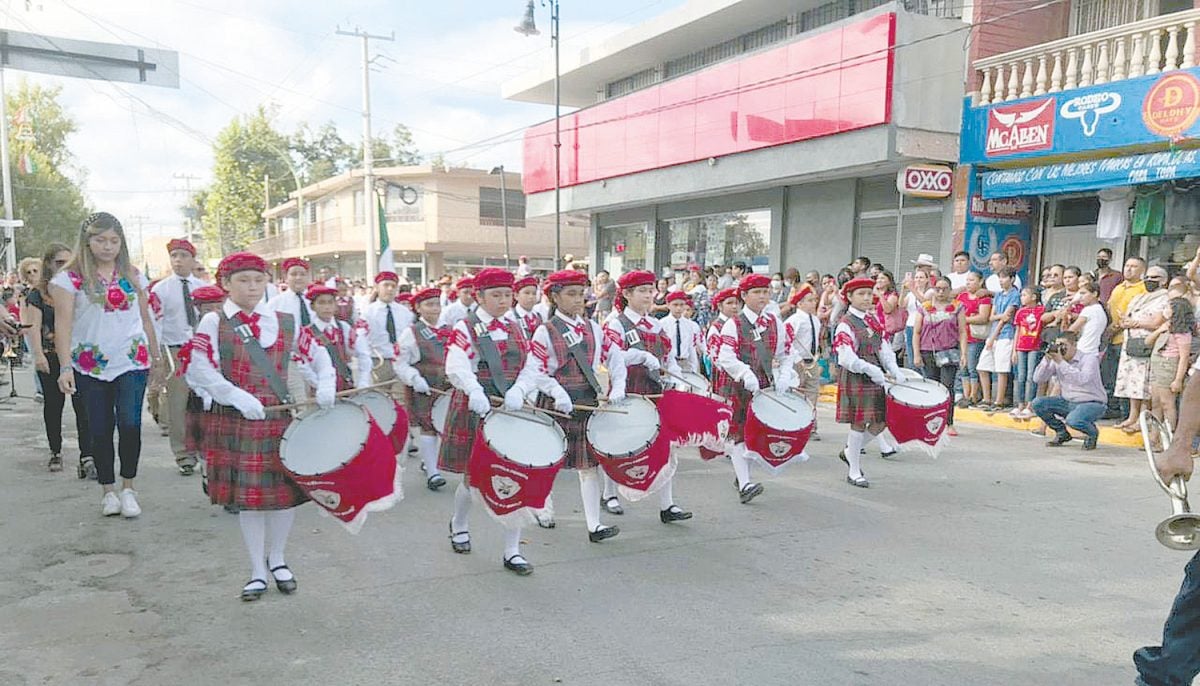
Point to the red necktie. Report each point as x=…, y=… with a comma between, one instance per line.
x=251, y=320
x=497, y=325
x=531, y=322
x=764, y=321
x=443, y=334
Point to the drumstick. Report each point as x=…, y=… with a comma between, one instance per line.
x=530, y=406
x=915, y=388
x=777, y=401
x=596, y=408
x=339, y=394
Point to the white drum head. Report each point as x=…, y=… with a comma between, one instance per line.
x=623, y=434
x=923, y=393
x=696, y=382
x=533, y=439
x=324, y=440
x=782, y=411
x=381, y=407
x=441, y=409
x=911, y=375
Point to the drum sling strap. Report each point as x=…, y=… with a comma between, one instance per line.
x=633, y=339
x=430, y=335
x=575, y=347
x=489, y=352
x=338, y=363
x=765, y=357
x=258, y=358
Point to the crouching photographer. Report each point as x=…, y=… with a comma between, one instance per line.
x=1082, y=400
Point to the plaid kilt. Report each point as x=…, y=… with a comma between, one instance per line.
x=579, y=454
x=194, y=424
x=420, y=408
x=860, y=400
x=243, y=462
x=461, y=423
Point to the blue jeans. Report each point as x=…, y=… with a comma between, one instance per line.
x=970, y=370
x=1177, y=661
x=110, y=405
x=1054, y=409
x=908, y=350
x=1024, y=387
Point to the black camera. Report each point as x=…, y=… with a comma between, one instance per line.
x=1057, y=347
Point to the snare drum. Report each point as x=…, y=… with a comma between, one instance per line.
x=631, y=447
x=342, y=459
x=696, y=383
x=388, y=413
x=514, y=459
x=917, y=412
x=441, y=409
x=907, y=375
x=778, y=425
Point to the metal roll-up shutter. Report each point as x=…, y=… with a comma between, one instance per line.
x=879, y=219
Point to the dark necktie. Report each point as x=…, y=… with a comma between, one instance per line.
x=189, y=307
x=391, y=324
x=812, y=327
x=678, y=338
x=304, y=318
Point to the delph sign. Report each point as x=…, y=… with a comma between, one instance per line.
x=926, y=181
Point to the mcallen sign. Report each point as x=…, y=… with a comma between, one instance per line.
x=925, y=181
x=1025, y=127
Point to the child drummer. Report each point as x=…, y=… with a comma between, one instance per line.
x=239, y=358
x=421, y=365
x=484, y=357
x=347, y=348
x=565, y=356
x=207, y=299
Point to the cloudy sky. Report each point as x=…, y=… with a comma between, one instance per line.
x=450, y=58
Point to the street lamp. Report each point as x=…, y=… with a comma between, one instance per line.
x=503, y=210
x=527, y=27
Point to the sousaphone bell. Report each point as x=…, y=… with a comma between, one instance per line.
x=1180, y=531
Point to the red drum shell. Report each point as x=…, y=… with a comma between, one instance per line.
x=507, y=484
x=912, y=420
x=774, y=445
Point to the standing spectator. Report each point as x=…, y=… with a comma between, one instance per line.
x=1169, y=361
x=105, y=342
x=1107, y=278
x=960, y=266
x=916, y=290
x=1082, y=396
x=1027, y=352
x=860, y=267
x=659, y=309
x=724, y=280
x=998, y=261
x=977, y=306
x=1141, y=318
x=605, y=291
x=1092, y=320
x=940, y=339
x=738, y=270
x=39, y=315
x=523, y=268
x=888, y=309
x=1118, y=302
x=998, y=350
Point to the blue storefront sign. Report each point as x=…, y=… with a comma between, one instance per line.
x=1126, y=115
x=1072, y=177
x=999, y=225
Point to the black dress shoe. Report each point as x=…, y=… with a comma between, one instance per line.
x=603, y=533
x=613, y=506
x=750, y=492
x=860, y=482
x=465, y=546
x=435, y=482
x=287, y=587
x=673, y=514
x=842, y=456
x=1059, y=440
x=252, y=591
x=1089, y=443
x=518, y=565
x=889, y=454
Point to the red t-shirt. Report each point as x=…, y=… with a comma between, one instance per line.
x=971, y=305
x=1029, y=328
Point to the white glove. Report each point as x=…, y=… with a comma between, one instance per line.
x=479, y=404
x=785, y=379
x=616, y=396
x=875, y=374
x=248, y=405
x=750, y=382
x=326, y=397
x=420, y=385
x=562, y=401
x=514, y=399
x=650, y=362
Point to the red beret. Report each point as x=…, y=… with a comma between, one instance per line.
x=294, y=262
x=316, y=290
x=693, y=267
x=677, y=295
x=725, y=294
x=208, y=294
x=525, y=282
x=180, y=244
x=465, y=282
x=240, y=262
x=856, y=284
x=426, y=294
x=386, y=276
x=489, y=277
x=566, y=277
x=404, y=298
x=800, y=293
x=752, y=281
x=635, y=279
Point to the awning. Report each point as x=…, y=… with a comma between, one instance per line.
x=1075, y=177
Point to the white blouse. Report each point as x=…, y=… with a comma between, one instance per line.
x=107, y=334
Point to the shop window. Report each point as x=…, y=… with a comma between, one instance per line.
x=626, y=247
x=720, y=239
x=1077, y=211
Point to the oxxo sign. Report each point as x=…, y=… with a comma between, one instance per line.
x=926, y=181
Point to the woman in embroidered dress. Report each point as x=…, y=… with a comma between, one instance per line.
x=940, y=339
x=105, y=344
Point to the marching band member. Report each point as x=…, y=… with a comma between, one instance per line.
x=803, y=335
x=863, y=355
x=727, y=304
x=208, y=299
x=483, y=359
x=458, y=310
x=525, y=296
x=176, y=295
x=421, y=365
x=349, y=351
x=347, y=310
x=237, y=357
x=645, y=351
x=297, y=274
x=683, y=333
x=565, y=356
x=754, y=354
x=385, y=318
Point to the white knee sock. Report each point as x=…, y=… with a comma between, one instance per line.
x=741, y=466
x=462, y=507
x=885, y=445
x=665, y=498
x=589, y=489
x=854, y=443
x=610, y=486
x=254, y=533
x=512, y=542
x=429, y=451
x=279, y=525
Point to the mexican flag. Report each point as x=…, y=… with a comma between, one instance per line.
x=387, y=261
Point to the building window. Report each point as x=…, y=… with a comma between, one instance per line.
x=492, y=210
x=310, y=213
x=626, y=248
x=405, y=203
x=722, y=239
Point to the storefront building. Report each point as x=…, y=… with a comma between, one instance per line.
x=740, y=130
x=1084, y=142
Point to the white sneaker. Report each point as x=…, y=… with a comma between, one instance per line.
x=110, y=505
x=129, y=503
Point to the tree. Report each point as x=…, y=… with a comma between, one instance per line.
x=249, y=153
x=322, y=153
x=46, y=181
x=404, y=150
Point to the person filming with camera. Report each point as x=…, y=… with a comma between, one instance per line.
x=1081, y=400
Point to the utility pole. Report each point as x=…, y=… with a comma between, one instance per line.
x=187, y=184
x=139, y=218
x=369, y=208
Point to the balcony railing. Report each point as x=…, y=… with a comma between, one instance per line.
x=1123, y=52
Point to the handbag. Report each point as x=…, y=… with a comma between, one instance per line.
x=979, y=331
x=946, y=358
x=1137, y=347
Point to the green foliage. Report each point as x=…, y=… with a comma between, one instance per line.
x=322, y=152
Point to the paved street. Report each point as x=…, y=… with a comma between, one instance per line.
x=1002, y=562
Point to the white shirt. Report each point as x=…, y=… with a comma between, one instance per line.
x=845, y=344
x=993, y=283
x=175, y=327
x=522, y=316
x=204, y=370
x=524, y=270
x=957, y=281
x=802, y=330
x=453, y=313
x=355, y=344
x=106, y=340
x=542, y=362
x=290, y=303
x=461, y=358
x=614, y=336
x=377, y=333
x=725, y=281
x=684, y=335
x=727, y=354
x=542, y=309
x=270, y=292
x=1093, y=328
x=410, y=354
x=913, y=305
